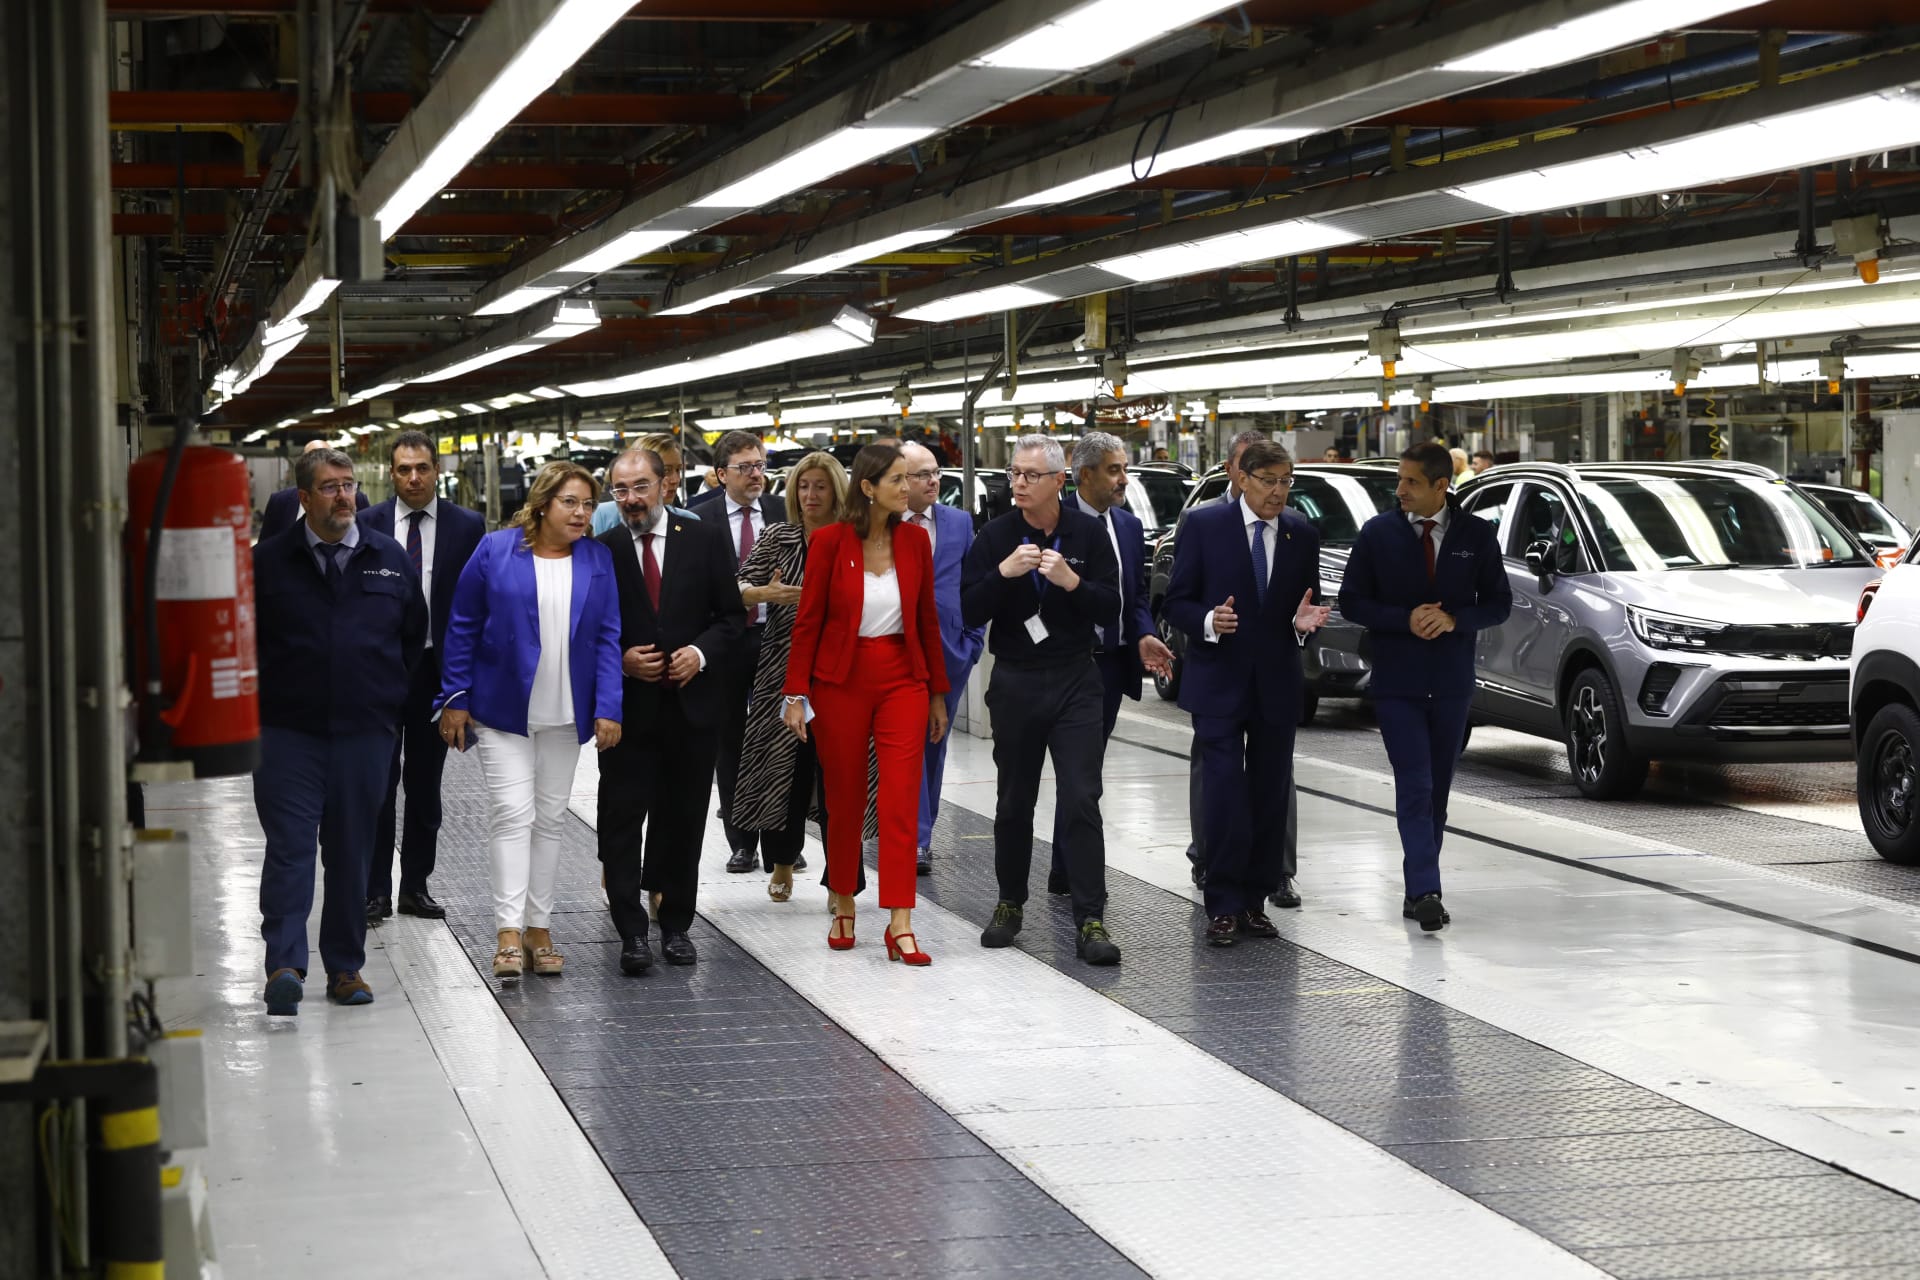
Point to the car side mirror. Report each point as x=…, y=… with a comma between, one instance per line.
x=1540, y=563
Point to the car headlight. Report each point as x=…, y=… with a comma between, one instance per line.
x=1665, y=631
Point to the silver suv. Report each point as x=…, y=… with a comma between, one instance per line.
x=1661, y=611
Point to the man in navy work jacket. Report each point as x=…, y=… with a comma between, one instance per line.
x=1243, y=586
x=340, y=624
x=1127, y=646
x=1423, y=581
x=439, y=538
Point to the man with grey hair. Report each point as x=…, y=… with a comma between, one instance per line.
x=1043, y=580
x=1127, y=645
x=340, y=624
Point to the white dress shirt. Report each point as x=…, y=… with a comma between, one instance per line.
x=551, y=702
x=1269, y=535
x=1439, y=519
x=1113, y=536
x=659, y=531
x=735, y=514
x=429, y=531
x=880, y=613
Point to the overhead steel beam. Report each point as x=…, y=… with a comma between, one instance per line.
x=505, y=176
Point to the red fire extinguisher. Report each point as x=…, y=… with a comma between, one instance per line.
x=204, y=708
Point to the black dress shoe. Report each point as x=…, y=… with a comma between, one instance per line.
x=378, y=909
x=1256, y=925
x=1199, y=870
x=420, y=904
x=742, y=861
x=677, y=948
x=923, y=862
x=1287, y=895
x=799, y=862
x=1057, y=883
x=1223, y=931
x=636, y=956
x=1428, y=910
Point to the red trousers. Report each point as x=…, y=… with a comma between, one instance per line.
x=884, y=705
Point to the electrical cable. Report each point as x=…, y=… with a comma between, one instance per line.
x=1716, y=438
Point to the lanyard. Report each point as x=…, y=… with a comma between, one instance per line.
x=1039, y=583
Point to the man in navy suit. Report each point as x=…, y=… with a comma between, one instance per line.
x=283, y=510
x=439, y=538
x=952, y=532
x=744, y=509
x=1243, y=585
x=1129, y=646
x=1423, y=581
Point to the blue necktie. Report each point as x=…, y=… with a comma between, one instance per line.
x=334, y=572
x=413, y=541
x=1259, y=559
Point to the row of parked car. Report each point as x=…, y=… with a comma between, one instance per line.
x=1663, y=611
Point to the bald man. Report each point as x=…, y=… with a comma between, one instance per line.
x=283, y=507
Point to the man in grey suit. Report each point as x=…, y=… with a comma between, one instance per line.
x=1288, y=895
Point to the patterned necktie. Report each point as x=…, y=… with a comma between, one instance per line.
x=650, y=570
x=1259, y=559
x=746, y=533
x=413, y=542
x=1426, y=544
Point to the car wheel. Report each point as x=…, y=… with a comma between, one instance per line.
x=1168, y=685
x=1603, y=767
x=1888, y=781
x=1309, y=704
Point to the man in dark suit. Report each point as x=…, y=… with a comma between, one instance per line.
x=1128, y=646
x=952, y=532
x=283, y=510
x=1424, y=580
x=340, y=626
x=680, y=625
x=742, y=509
x=1243, y=586
x=438, y=537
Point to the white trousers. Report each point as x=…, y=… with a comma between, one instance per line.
x=529, y=782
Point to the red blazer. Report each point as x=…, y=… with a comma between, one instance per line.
x=827, y=624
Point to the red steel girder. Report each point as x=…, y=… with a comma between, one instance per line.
x=503, y=176
x=652, y=10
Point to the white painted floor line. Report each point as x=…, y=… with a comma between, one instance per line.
x=579, y=1221
x=1183, y=1163
x=1804, y=1040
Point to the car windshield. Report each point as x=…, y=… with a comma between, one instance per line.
x=1655, y=522
x=1165, y=490
x=1864, y=517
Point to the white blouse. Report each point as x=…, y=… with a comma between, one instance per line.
x=552, y=701
x=880, y=605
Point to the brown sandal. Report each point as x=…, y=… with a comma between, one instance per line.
x=509, y=961
x=779, y=889
x=546, y=960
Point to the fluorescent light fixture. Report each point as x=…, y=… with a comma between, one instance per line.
x=1864, y=125
x=847, y=331
x=471, y=407
x=618, y=252
x=1233, y=143
x=315, y=296
x=285, y=333
x=1006, y=297
x=1214, y=253
x=1095, y=33
x=714, y=300
x=1611, y=28
x=570, y=28
x=548, y=393
x=509, y=400
x=869, y=251
x=421, y=417
x=255, y=437
x=836, y=153
x=567, y=319
x=844, y=411
x=384, y=388
x=520, y=300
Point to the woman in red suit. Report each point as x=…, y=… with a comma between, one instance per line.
x=866, y=651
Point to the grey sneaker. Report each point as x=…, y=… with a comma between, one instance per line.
x=1094, y=946
x=1004, y=925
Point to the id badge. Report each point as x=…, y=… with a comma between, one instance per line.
x=1036, y=629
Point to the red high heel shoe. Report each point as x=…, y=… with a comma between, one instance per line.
x=894, y=951
x=834, y=939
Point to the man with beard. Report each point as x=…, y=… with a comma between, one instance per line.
x=680, y=624
x=340, y=626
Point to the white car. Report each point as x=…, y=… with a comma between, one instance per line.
x=1884, y=696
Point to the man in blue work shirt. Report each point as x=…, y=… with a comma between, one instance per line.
x=341, y=625
x=1424, y=580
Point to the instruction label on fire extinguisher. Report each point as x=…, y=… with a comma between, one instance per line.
x=198, y=564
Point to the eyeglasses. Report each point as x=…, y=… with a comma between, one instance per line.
x=621, y=492
x=571, y=505
x=336, y=488
x=1017, y=476
x=921, y=477
x=1268, y=482
x=746, y=468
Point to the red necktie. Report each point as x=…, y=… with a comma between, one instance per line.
x=746, y=533
x=650, y=570
x=1426, y=544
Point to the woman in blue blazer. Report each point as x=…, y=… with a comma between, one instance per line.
x=531, y=669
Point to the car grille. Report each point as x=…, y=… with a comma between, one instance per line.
x=1757, y=704
x=1811, y=640
x=1778, y=715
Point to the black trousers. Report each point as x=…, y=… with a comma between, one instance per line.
x=1039, y=711
x=741, y=665
x=419, y=757
x=1248, y=764
x=781, y=847
x=1115, y=667
x=662, y=776
x=1197, y=822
